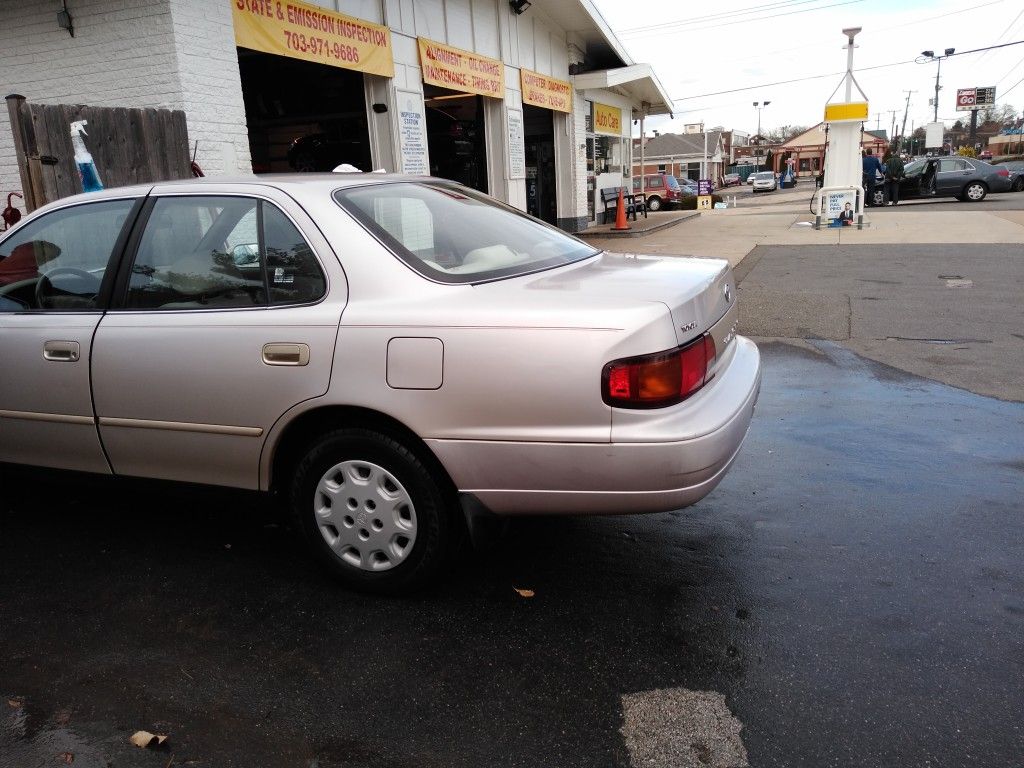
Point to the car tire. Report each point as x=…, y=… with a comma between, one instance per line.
x=974, y=192
x=654, y=203
x=372, y=512
x=1018, y=184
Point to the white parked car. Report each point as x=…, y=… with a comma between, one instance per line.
x=764, y=181
x=394, y=356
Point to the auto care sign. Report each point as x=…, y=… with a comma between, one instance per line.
x=544, y=91
x=310, y=33
x=461, y=70
x=607, y=120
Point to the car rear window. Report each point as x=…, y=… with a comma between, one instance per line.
x=452, y=234
x=671, y=183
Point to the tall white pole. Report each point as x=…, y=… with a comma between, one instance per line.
x=849, y=68
x=643, y=165
x=704, y=160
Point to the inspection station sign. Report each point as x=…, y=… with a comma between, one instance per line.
x=310, y=33
x=544, y=91
x=461, y=70
x=607, y=120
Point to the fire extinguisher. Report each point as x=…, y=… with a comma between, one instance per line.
x=11, y=215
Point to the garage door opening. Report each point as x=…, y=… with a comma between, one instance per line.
x=303, y=116
x=456, y=139
x=539, y=130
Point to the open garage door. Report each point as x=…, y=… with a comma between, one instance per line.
x=303, y=116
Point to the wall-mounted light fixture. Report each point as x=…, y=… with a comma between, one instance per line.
x=64, y=19
x=519, y=6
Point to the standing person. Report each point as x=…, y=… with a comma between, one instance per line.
x=894, y=174
x=871, y=168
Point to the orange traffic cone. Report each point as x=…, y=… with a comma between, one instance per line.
x=620, y=215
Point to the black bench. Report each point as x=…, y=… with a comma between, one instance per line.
x=633, y=203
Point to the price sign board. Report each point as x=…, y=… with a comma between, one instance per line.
x=985, y=97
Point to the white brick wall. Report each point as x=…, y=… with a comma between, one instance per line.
x=211, y=88
x=175, y=54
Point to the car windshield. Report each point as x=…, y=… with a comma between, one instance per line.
x=454, y=235
x=671, y=183
x=766, y=175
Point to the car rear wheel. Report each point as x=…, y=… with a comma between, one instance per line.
x=1018, y=184
x=372, y=512
x=654, y=203
x=974, y=192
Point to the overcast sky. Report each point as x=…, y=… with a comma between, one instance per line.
x=700, y=48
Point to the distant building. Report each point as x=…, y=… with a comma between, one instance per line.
x=680, y=155
x=807, y=149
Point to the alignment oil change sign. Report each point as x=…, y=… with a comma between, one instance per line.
x=461, y=70
x=310, y=33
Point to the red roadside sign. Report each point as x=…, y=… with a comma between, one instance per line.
x=966, y=98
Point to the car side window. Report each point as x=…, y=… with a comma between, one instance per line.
x=208, y=252
x=655, y=182
x=58, y=261
x=293, y=273
x=192, y=255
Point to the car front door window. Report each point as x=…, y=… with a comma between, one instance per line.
x=58, y=262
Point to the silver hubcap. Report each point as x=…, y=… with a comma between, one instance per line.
x=975, y=192
x=365, y=515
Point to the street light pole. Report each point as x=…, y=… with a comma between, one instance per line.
x=930, y=55
x=757, y=156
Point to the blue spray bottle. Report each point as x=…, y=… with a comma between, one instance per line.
x=86, y=166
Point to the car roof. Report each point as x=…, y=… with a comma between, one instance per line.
x=324, y=182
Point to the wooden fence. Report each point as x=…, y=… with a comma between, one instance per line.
x=129, y=146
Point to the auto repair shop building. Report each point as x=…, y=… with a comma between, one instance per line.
x=531, y=103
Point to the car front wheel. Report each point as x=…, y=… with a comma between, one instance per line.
x=653, y=203
x=975, y=192
x=1018, y=185
x=372, y=512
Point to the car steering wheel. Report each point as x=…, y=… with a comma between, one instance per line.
x=45, y=281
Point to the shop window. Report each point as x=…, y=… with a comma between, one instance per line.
x=805, y=164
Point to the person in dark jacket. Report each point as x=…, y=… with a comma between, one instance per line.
x=871, y=168
x=893, y=176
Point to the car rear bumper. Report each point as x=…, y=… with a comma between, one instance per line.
x=511, y=478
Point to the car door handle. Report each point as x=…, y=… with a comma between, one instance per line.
x=61, y=351
x=286, y=353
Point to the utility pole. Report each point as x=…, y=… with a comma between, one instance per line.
x=930, y=55
x=892, y=129
x=906, y=109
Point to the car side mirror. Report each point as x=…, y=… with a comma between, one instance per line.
x=246, y=254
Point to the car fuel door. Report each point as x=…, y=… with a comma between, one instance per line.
x=228, y=317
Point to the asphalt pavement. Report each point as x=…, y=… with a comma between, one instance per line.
x=850, y=595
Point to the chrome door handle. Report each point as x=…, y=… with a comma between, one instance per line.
x=286, y=353
x=61, y=351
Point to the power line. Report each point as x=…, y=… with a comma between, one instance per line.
x=748, y=11
x=834, y=74
x=1012, y=87
x=659, y=30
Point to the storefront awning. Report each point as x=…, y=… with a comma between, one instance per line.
x=637, y=82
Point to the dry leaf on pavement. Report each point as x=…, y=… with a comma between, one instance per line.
x=524, y=592
x=146, y=739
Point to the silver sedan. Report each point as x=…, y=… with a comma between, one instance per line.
x=395, y=357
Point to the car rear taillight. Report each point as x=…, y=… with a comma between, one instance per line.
x=661, y=379
x=1002, y=172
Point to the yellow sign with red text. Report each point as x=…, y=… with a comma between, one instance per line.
x=461, y=70
x=544, y=91
x=310, y=33
x=607, y=120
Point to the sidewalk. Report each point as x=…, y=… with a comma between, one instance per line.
x=785, y=219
